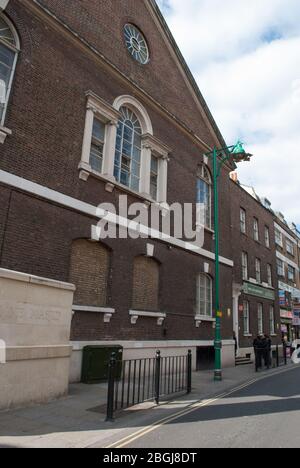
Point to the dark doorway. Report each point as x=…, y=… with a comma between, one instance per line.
x=205, y=358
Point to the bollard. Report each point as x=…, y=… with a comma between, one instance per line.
x=285, y=354
x=111, y=388
x=277, y=355
x=157, y=376
x=189, y=372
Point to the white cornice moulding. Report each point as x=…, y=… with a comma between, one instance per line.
x=3, y=4
x=86, y=208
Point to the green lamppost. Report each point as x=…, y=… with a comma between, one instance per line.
x=234, y=154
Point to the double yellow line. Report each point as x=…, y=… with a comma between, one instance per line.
x=194, y=407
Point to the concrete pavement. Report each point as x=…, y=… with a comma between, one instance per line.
x=79, y=419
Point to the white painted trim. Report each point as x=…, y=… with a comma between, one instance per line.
x=16, y=50
x=75, y=204
x=136, y=107
x=142, y=313
x=25, y=278
x=204, y=318
x=136, y=314
x=287, y=260
x=163, y=344
x=286, y=234
x=100, y=310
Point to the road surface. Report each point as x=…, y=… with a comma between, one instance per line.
x=265, y=414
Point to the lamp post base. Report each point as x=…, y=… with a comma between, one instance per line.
x=218, y=377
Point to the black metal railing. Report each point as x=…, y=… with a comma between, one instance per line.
x=136, y=381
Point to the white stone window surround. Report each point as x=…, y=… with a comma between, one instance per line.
x=110, y=115
x=136, y=314
x=4, y=131
x=106, y=311
x=98, y=108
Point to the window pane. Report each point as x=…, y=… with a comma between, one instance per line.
x=204, y=295
x=129, y=145
x=5, y=33
x=204, y=200
x=6, y=65
x=96, y=157
x=98, y=130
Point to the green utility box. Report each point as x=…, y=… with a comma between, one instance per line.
x=95, y=362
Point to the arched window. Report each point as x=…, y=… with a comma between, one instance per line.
x=145, y=285
x=204, y=295
x=9, y=47
x=89, y=270
x=204, y=195
x=128, y=150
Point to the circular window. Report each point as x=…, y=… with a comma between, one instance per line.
x=136, y=44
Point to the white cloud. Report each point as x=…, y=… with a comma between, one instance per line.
x=245, y=58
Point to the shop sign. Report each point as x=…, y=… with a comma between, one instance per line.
x=286, y=314
x=258, y=291
x=296, y=317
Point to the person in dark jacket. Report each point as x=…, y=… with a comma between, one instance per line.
x=235, y=343
x=257, y=352
x=269, y=348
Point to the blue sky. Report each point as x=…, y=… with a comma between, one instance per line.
x=245, y=56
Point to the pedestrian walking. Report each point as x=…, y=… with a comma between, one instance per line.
x=269, y=350
x=257, y=352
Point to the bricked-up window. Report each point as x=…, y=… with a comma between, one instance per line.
x=260, y=319
x=145, y=284
x=128, y=150
x=243, y=220
x=89, y=270
x=246, y=318
x=9, y=47
x=204, y=295
x=204, y=195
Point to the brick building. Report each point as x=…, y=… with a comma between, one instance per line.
x=255, y=287
x=97, y=102
x=287, y=258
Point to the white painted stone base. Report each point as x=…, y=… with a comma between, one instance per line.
x=147, y=349
x=35, y=319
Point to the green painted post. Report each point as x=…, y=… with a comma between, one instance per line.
x=218, y=339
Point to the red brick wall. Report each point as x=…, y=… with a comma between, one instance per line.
x=47, y=114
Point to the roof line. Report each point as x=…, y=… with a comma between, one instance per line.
x=188, y=72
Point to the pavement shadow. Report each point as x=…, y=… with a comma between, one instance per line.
x=279, y=394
